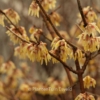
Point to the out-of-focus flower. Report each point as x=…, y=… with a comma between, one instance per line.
x=84, y=96
x=34, y=9
x=50, y=80
x=25, y=68
x=2, y=91
x=55, y=18
x=48, y=4
x=20, y=51
x=22, y=34
x=88, y=82
x=90, y=14
x=17, y=74
x=92, y=29
x=12, y=15
x=24, y=92
x=35, y=33
x=86, y=10
x=7, y=68
x=2, y=20
x=10, y=83
x=24, y=87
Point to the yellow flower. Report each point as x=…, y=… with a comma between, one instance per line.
x=55, y=18
x=86, y=10
x=92, y=29
x=48, y=4
x=79, y=55
x=2, y=20
x=2, y=91
x=88, y=82
x=61, y=49
x=12, y=15
x=25, y=87
x=37, y=52
x=88, y=38
x=24, y=92
x=84, y=96
x=89, y=43
x=20, y=51
x=7, y=68
x=91, y=16
x=34, y=9
x=15, y=31
x=35, y=34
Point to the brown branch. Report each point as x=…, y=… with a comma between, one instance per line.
x=64, y=64
x=56, y=31
x=47, y=24
x=85, y=63
x=81, y=12
x=80, y=76
x=17, y=35
x=10, y=21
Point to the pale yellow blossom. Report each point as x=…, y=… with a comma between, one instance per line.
x=88, y=82
x=61, y=49
x=34, y=9
x=14, y=34
x=55, y=18
x=7, y=68
x=12, y=15
x=84, y=96
x=48, y=4
x=35, y=34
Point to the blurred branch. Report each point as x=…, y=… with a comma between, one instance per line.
x=81, y=12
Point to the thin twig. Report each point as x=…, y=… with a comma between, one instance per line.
x=17, y=35
x=56, y=31
x=81, y=12
x=64, y=64
x=10, y=21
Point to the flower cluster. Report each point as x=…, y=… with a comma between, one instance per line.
x=35, y=34
x=11, y=15
x=55, y=18
x=34, y=9
x=6, y=68
x=84, y=96
x=48, y=4
x=61, y=49
x=13, y=78
x=88, y=82
x=88, y=39
x=90, y=15
x=35, y=52
x=17, y=33
x=79, y=55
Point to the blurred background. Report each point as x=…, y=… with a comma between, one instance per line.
x=69, y=11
